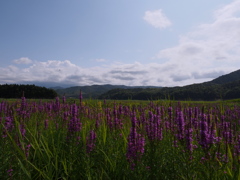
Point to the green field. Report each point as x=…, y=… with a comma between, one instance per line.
x=93, y=139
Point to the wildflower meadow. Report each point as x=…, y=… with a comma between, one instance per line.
x=93, y=139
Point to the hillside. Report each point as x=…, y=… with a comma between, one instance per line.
x=231, y=77
x=93, y=91
x=223, y=87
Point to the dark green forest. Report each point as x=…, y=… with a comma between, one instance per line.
x=30, y=91
x=204, y=91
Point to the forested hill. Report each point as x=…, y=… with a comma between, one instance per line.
x=30, y=91
x=223, y=87
x=231, y=77
x=93, y=91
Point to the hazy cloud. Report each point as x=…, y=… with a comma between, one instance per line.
x=125, y=78
x=101, y=60
x=23, y=60
x=180, y=77
x=128, y=72
x=67, y=73
x=207, y=52
x=210, y=49
x=157, y=19
x=210, y=74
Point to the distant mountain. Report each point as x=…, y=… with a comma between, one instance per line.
x=223, y=87
x=227, y=78
x=56, y=87
x=93, y=91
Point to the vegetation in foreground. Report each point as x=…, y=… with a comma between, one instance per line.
x=119, y=140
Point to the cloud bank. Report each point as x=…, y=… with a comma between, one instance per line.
x=68, y=74
x=208, y=51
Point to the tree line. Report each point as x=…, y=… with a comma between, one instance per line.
x=203, y=91
x=30, y=91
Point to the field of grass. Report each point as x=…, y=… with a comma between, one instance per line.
x=91, y=139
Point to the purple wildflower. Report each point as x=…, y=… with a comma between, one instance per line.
x=181, y=125
x=10, y=172
x=46, y=123
x=74, y=124
x=189, y=139
x=8, y=126
x=136, y=143
x=91, y=140
x=27, y=149
x=22, y=130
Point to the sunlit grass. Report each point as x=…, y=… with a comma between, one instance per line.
x=42, y=139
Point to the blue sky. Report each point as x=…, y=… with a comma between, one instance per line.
x=129, y=42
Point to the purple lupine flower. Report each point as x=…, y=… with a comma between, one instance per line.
x=8, y=126
x=135, y=149
x=27, y=149
x=120, y=109
x=227, y=132
x=206, y=134
x=149, y=126
x=158, y=111
x=109, y=118
x=66, y=114
x=23, y=103
x=10, y=172
x=22, y=110
x=117, y=121
x=74, y=124
x=57, y=105
x=22, y=129
x=91, y=141
x=158, y=127
x=97, y=123
x=189, y=139
x=181, y=125
x=170, y=114
x=153, y=127
x=142, y=118
x=237, y=146
x=212, y=136
x=46, y=124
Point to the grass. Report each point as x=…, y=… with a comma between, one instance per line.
x=37, y=142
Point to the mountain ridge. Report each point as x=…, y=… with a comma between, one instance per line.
x=226, y=86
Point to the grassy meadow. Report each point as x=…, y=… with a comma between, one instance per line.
x=93, y=139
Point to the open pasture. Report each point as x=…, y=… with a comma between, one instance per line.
x=90, y=139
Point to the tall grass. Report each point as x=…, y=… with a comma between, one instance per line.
x=119, y=140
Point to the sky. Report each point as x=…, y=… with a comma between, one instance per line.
x=125, y=42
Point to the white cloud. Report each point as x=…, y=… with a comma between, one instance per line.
x=157, y=19
x=23, y=60
x=101, y=60
x=210, y=48
x=65, y=72
x=228, y=11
